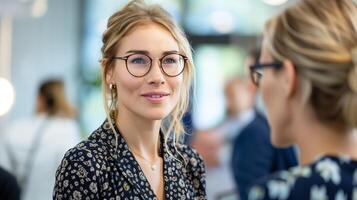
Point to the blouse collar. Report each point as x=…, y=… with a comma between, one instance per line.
x=173, y=167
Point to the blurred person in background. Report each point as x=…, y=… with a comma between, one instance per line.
x=9, y=189
x=253, y=155
x=32, y=148
x=308, y=77
x=215, y=145
x=147, y=69
x=239, y=151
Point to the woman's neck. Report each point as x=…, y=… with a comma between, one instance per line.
x=316, y=139
x=141, y=135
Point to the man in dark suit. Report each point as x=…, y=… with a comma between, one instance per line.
x=253, y=155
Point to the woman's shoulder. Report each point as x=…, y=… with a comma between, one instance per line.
x=327, y=177
x=80, y=170
x=185, y=150
x=188, y=155
x=81, y=150
x=94, y=148
x=84, y=160
x=192, y=166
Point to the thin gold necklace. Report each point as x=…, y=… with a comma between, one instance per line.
x=152, y=165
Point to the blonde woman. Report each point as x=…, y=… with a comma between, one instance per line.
x=33, y=147
x=308, y=77
x=147, y=70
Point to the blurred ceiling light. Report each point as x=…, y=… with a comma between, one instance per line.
x=39, y=8
x=275, y=2
x=7, y=96
x=222, y=21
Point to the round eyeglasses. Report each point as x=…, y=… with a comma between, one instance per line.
x=139, y=64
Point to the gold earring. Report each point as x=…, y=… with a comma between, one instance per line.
x=113, y=100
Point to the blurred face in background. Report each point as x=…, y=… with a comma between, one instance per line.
x=40, y=104
x=238, y=97
x=154, y=95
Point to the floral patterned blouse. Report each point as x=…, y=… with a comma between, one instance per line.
x=328, y=178
x=95, y=169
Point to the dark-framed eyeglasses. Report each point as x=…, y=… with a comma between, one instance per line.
x=256, y=71
x=139, y=64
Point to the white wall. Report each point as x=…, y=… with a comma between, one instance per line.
x=42, y=48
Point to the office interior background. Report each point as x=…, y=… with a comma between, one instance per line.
x=41, y=39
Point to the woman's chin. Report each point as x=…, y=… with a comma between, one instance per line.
x=157, y=115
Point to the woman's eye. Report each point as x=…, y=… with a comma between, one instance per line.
x=170, y=61
x=138, y=61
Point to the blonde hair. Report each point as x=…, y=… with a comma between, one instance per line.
x=54, y=99
x=134, y=14
x=320, y=38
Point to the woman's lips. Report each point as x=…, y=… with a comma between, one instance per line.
x=155, y=97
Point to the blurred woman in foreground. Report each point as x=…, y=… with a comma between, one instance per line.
x=308, y=77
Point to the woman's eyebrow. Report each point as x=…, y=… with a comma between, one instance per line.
x=147, y=52
x=169, y=52
x=137, y=51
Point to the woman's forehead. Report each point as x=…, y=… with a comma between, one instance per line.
x=148, y=37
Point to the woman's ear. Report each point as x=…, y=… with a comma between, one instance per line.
x=290, y=78
x=107, y=70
